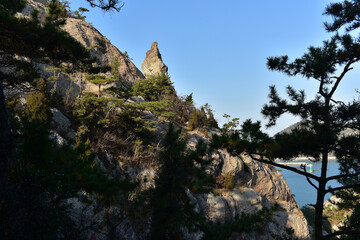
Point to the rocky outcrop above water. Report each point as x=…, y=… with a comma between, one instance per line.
x=153, y=63
x=265, y=180
x=256, y=186
x=227, y=206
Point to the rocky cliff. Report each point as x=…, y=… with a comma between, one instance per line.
x=100, y=48
x=256, y=186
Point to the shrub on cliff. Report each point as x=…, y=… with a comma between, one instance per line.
x=154, y=88
x=202, y=119
x=37, y=104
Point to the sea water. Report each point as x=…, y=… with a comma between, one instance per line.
x=302, y=191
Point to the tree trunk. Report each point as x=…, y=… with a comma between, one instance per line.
x=5, y=150
x=325, y=133
x=5, y=136
x=99, y=91
x=319, y=207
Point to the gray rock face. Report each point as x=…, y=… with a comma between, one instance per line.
x=224, y=208
x=36, y=4
x=61, y=124
x=252, y=174
x=100, y=48
x=103, y=51
x=89, y=218
x=153, y=64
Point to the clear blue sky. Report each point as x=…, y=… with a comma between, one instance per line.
x=218, y=49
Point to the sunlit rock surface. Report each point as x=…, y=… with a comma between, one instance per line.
x=153, y=64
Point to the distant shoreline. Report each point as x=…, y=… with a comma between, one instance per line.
x=330, y=158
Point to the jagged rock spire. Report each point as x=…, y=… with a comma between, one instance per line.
x=153, y=64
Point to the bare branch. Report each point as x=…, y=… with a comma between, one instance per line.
x=307, y=178
x=345, y=70
x=337, y=102
x=285, y=167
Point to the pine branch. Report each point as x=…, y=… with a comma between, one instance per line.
x=331, y=190
x=342, y=176
x=112, y=4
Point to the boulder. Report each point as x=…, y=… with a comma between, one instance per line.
x=264, y=179
x=61, y=124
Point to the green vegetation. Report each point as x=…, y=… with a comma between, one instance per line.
x=229, y=181
x=45, y=175
x=102, y=79
x=231, y=125
x=334, y=216
x=309, y=214
x=347, y=212
x=202, y=119
x=99, y=80
x=155, y=88
x=177, y=173
x=37, y=176
x=38, y=101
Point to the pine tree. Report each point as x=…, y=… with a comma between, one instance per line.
x=323, y=118
x=44, y=176
x=193, y=121
x=346, y=16
x=155, y=88
x=99, y=80
x=172, y=209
